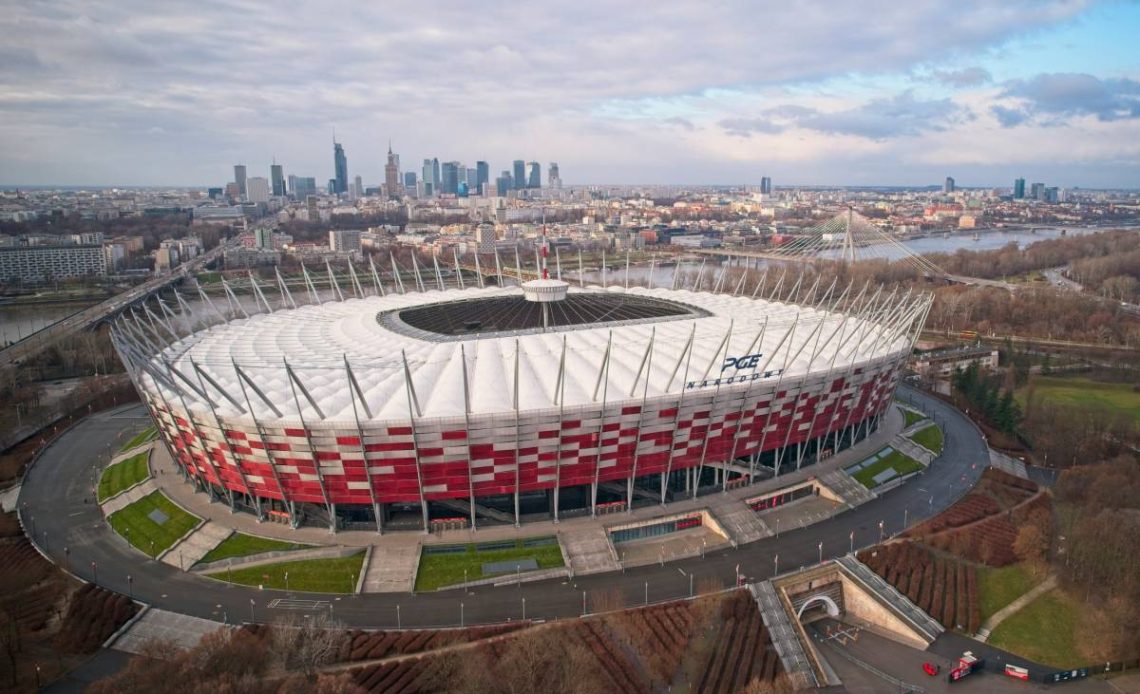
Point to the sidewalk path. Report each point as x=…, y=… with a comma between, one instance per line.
x=1001, y=615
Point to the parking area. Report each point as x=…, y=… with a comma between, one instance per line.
x=869, y=663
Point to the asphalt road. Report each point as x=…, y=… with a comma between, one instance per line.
x=59, y=509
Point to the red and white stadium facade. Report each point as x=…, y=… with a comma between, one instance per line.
x=386, y=399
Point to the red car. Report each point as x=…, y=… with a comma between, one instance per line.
x=931, y=669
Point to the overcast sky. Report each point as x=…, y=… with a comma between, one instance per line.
x=149, y=92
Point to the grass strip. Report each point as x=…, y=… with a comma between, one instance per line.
x=1043, y=631
x=123, y=475
x=242, y=545
x=439, y=570
x=902, y=465
x=134, y=523
x=929, y=438
x=337, y=575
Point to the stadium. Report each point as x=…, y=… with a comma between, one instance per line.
x=503, y=404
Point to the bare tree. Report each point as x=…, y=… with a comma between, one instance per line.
x=305, y=644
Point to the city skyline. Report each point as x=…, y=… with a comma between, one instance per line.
x=813, y=94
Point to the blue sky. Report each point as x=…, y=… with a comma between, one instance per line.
x=814, y=92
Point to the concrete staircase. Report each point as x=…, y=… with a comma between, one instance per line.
x=739, y=521
x=845, y=486
x=590, y=551
x=196, y=545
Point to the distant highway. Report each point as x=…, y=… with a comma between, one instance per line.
x=31, y=344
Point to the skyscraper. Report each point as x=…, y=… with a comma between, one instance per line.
x=435, y=175
x=1037, y=191
x=409, y=179
x=519, y=176
x=340, y=166
x=765, y=185
x=948, y=185
x=482, y=175
x=429, y=182
x=392, y=176
x=553, y=176
x=257, y=189
x=503, y=184
x=1019, y=189
x=535, y=178
x=277, y=177
x=450, y=175
x=239, y=178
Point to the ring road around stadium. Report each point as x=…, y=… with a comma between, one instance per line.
x=505, y=404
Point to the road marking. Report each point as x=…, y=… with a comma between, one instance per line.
x=288, y=604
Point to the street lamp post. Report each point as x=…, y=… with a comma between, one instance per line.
x=130, y=588
x=647, y=592
x=776, y=568
x=583, y=603
x=66, y=559
x=851, y=548
x=462, y=618
x=777, y=527
x=905, y=511
x=880, y=532
x=95, y=572
x=524, y=609
x=690, y=585
x=252, y=615
x=286, y=581
x=821, y=552
x=399, y=625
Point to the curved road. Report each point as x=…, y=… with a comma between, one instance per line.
x=58, y=508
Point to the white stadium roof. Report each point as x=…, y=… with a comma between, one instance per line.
x=316, y=341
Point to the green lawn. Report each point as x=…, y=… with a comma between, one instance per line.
x=1043, y=631
x=929, y=438
x=1083, y=392
x=999, y=587
x=123, y=474
x=242, y=545
x=140, y=438
x=149, y=537
x=337, y=575
x=911, y=416
x=439, y=570
x=902, y=464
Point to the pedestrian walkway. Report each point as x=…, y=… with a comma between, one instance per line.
x=128, y=497
x=392, y=566
x=1001, y=615
x=911, y=449
x=1007, y=464
x=131, y=452
x=159, y=625
x=196, y=545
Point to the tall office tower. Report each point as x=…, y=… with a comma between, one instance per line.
x=436, y=177
x=429, y=182
x=482, y=175
x=1018, y=188
x=765, y=185
x=1037, y=191
x=948, y=185
x=277, y=177
x=340, y=166
x=450, y=175
x=519, y=174
x=357, y=187
x=503, y=184
x=313, y=210
x=291, y=181
x=257, y=189
x=239, y=178
x=303, y=187
x=392, y=176
x=473, y=181
x=409, y=179
x=553, y=177
x=535, y=178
